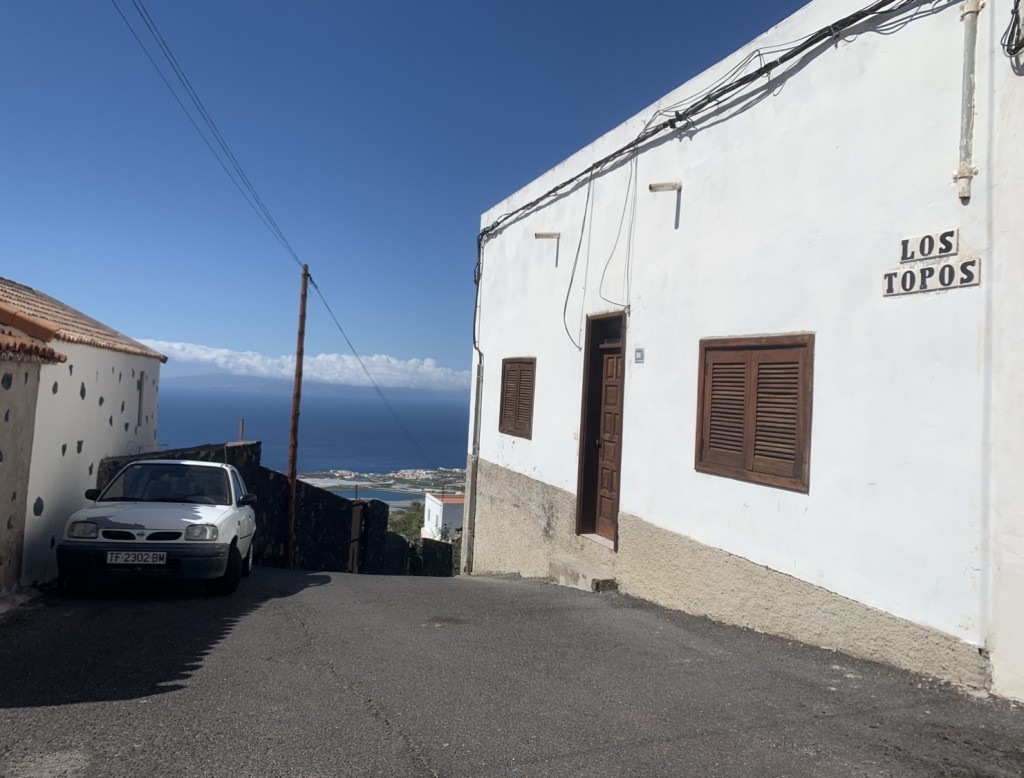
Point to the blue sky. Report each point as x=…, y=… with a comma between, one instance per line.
x=376, y=134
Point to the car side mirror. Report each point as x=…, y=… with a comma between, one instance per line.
x=247, y=499
x=92, y=494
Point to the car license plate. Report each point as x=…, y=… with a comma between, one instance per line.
x=136, y=557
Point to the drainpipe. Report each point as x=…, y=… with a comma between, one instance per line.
x=969, y=14
x=469, y=525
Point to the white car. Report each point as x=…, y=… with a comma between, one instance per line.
x=163, y=518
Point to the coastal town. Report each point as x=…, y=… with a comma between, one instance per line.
x=414, y=480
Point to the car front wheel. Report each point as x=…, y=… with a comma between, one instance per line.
x=228, y=582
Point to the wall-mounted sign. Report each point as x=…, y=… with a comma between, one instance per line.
x=928, y=274
x=933, y=278
x=939, y=244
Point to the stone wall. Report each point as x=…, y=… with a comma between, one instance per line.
x=373, y=537
x=19, y=387
x=395, y=555
x=323, y=524
x=388, y=553
x=430, y=557
x=244, y=455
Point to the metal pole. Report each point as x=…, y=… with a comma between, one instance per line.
x=469, y=518
x=967, y=171
x=469, y=525
x=293, y=440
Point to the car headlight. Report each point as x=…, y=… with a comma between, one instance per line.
x=201, y=532
x=83, y=530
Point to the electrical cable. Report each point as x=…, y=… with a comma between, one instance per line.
x=259, y=209
x=192, y=120
x=246, y=187
x=251, y=196
x=1012, y=40
x=685, y=116
x=630, y=199
x=215, y=131
x=575, y=263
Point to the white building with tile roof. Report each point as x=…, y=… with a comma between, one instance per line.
x=442, y=515
x=72, y=391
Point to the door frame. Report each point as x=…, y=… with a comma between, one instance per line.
x=590, y=364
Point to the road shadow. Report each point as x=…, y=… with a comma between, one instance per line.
x=125, y=641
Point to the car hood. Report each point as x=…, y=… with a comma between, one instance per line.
x=151, y=515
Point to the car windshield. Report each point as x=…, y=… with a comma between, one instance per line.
x=169, y=482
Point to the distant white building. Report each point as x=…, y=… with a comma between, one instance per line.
x=758, y=353
x=72, y=391
x=442, y=515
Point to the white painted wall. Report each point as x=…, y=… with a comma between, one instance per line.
x=74, y=432
x=438, y=515
x=431, y=516
x=790, y=213
x=1003, y=522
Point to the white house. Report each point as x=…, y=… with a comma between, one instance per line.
x=72, y=391
x=756, y=353
x=442, y=515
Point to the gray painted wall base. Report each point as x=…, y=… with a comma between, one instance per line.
x=527, y=527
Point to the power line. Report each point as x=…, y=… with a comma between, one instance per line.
x=701, y=103
x=183, y=79
x=231, y=166
x=245, y=186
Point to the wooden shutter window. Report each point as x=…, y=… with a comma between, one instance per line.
x=776, y=414
x=726, y=386
x=754, y=409
x=518, y=378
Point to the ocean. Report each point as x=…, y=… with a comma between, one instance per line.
x=340, y=428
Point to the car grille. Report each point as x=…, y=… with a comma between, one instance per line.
x=120, y=534
x=164, y=536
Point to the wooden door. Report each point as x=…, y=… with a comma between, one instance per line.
x=610, y=443
x=600, y=457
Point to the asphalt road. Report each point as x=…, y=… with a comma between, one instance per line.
x=302, y=674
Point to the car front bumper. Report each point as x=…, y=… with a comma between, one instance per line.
x=87, y=559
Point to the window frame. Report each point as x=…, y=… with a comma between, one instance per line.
x=515, y=429
x=754, y=351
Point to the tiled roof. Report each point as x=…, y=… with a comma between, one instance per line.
x=62, y=322
x=27, y=350
x=448, y=498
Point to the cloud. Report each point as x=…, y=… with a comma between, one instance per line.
x=329, y=368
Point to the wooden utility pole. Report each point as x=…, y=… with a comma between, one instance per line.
x=293, y=440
